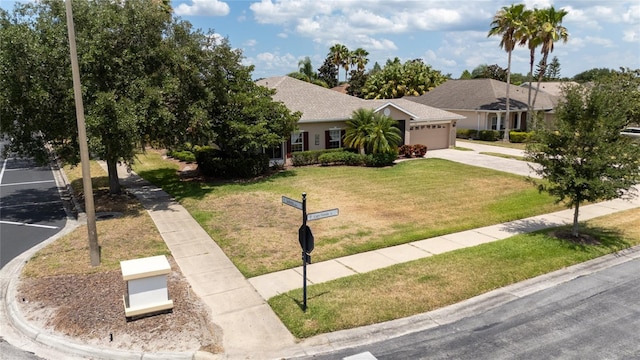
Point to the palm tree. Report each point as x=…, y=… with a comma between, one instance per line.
x=384, y=136
x=529, y=36
x=359, y=57
x=306, y=69
x=550, y=31
x=339, y=55
x=508, y=23
x=358, y=129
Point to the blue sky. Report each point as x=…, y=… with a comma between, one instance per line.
x=451, y=36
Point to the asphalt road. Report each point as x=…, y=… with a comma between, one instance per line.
x=595, y=316
x=31, y=209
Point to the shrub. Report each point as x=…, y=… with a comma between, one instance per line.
x=183, y=155
x=380, y=159
x=406, y=151
x=341, y=158
x=420, y=150
x=467, y=133
x=215, y=163
x=519, y=136
x=489, y=135
x=310, y=157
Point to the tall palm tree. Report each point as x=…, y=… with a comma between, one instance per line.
x=384, y=136
x=358, y=129
x=507, y=23
x=360, y=58
x=339, y=55
x=306, y=69
x=529, y=36
x=550, y=31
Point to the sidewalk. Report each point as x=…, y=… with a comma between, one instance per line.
x=251, y=330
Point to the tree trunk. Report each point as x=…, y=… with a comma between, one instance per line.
x=114, y=181
x=529, y=79
x=543, y=70
x=508, y=115
x=574, y=228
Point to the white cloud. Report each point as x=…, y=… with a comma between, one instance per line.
x=203, y=7
x=632, y=15
x=275, y=63
x=250, y=43
x=598, y=41
x=283, y=35
x=631, y=35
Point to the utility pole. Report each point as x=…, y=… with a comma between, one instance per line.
x=90, y=210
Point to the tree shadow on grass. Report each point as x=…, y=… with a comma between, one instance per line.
x=590, y=236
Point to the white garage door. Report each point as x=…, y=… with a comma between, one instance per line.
x=434, y=136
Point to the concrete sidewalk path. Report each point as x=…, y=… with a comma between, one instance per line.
x=251, y=330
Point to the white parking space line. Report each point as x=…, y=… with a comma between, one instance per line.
x=4, y=167
x=28, y=225
x=28, y=183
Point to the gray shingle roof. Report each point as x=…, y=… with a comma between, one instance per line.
x=480, y=94
x=320, y=104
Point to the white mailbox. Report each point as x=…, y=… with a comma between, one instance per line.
x=146, y=285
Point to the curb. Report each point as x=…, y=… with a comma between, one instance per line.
x=395, y=328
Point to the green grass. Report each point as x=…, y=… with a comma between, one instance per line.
x=430, y=283
x=379, y=207
x=520, y=146
x=521, y=158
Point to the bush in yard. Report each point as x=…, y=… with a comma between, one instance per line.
x=183, y=155
x=380, y=159
x=309, y=157
x=489, y=135
x=519, y=136
x=420, y=150
x=466, y=133
x=213, y=162
x=406, y=151
x=341, y=158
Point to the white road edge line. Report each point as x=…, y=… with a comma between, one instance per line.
x=4, y=166
x=29, y=225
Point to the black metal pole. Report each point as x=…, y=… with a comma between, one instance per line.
x=304, y=252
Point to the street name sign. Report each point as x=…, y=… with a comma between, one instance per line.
x=322, y=214
x=291, y=202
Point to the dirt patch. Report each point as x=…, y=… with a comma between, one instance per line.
x=581, y=239
x=89, y=308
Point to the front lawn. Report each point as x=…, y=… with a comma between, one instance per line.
x=379, y=207
x=430, y=283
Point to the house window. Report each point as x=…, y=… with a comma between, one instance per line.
x=335, y=139
x=297, y=142
x=274, y=152
x=317, y=138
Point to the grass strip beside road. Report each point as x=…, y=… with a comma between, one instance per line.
x=431, y=283
x=134, y=235
x=500, y=143
x=521, y=158
x=379, y=207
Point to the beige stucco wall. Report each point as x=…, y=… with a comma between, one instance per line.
x=316, y=132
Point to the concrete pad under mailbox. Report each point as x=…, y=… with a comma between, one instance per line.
x=404, y=253
x=365, y=262
x=325, y=271
x=270, y=285
x=437, y=245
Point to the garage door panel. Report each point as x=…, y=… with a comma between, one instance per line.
x=431, y=135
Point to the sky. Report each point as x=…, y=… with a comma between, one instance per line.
x=451, y=36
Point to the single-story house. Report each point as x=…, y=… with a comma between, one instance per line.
x=324, y=113
x=482, y=103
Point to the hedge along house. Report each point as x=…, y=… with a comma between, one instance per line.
x=324, y=113
x=483, y=103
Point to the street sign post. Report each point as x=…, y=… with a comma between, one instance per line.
x=305, y=237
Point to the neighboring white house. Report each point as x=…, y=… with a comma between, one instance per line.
x=324, y=112
x=482, y=103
